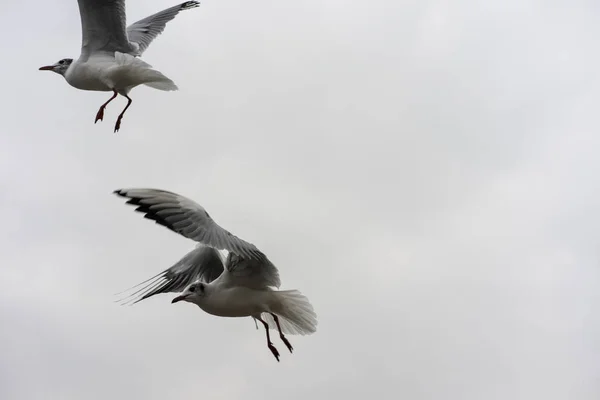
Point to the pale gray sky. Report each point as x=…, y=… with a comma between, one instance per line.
x=426, y=172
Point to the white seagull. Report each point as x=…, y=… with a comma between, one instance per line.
x=242, y=285
x=109, y=51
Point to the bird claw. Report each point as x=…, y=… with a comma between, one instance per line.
x=274, y=351
x=287, y=343
x=100, y=115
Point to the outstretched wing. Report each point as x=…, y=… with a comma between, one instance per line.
x=103, y=27
x=187, y=218
x=203, y=263
x=146, y=30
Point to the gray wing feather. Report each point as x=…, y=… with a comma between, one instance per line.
x=103, y=27
x=144, y=31
x=203, y=263
x=189, y=219
x=255, y=274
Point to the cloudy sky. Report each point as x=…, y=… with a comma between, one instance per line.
x=425, y=171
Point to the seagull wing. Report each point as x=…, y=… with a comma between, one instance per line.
x=203, y=263
x=187, y=218
x=146, y=30
x=103, y=27
x=251, y=273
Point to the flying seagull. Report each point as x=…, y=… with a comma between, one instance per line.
x=240, y=285
x=109, y=51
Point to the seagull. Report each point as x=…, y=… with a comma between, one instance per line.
x=240, y=284
x=109, y=52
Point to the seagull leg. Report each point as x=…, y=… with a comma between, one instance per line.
x=281, y=335
x=269, y=344
x=100, y=114
x=118, y=124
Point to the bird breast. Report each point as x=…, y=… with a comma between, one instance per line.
x=87, y=76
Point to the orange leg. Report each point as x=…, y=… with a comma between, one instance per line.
x=118, y=124
x=100, y=114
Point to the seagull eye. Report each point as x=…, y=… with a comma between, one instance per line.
x=192, y=289
x=61, y=62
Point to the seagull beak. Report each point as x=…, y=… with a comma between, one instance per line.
x=47, y=68
x=178, y=298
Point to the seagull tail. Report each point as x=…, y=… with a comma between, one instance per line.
x=166, y=84
x=296, y=314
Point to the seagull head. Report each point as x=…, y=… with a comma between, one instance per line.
x=60, y=67
x=193, y=293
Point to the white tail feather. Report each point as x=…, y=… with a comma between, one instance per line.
x=166, y=85
x=296, y=314
x=134, y=71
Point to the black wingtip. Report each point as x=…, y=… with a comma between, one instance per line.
x=189, y=4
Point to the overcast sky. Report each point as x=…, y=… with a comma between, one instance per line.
x=425, y=172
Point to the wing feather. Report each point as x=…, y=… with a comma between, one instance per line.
x=254, y=274
x=144, y=31
x=203, y=263
x=189, y=219
x=103, y=27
